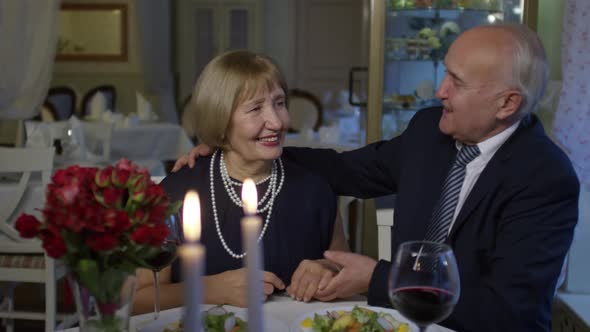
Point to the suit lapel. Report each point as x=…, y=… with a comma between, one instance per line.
x=491, y=174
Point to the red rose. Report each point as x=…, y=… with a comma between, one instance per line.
x=102, y=242
x=120, y=177
x=27, y=225
x=158, y=213
x=53, y=243
x=103, y=176
x=153, y=235
x=113, y=196
x=126, y=164
x=67, y=193
x=142, y=234
x=59, y=177
x=159, y=234
x=140, y=216
x=156, y=194
x=117, y=220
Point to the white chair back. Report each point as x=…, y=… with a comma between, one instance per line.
x=384, y=224
x=23, y=161
x=18, y=265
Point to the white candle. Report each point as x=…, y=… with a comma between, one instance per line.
x=192, y=255
x=250, y=231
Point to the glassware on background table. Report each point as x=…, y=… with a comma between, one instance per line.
x=424, y=283
x=165, y=257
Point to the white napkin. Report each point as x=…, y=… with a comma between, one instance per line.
x=77, y=138
x=35, y=135
x=98, y=105
x=131, y=120
x=144, y=109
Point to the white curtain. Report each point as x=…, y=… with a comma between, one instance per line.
x=153, y=26
x=572, y=119
x=28, y=38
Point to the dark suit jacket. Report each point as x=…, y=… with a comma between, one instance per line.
x=510, y=237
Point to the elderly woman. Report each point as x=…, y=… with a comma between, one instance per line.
x=239, y=108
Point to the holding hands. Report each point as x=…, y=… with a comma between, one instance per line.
x=342, y=274
x=309, y=277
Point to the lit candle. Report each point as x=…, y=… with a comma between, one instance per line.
x=192, y=255
x=250, y=231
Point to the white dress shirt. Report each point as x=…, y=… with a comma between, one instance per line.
x=472, y=171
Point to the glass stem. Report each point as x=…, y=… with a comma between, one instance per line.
x=422, y=328
x=157, y=294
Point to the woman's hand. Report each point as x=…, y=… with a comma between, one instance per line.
x=230, y=287
x=309, y=277
x=201, y=150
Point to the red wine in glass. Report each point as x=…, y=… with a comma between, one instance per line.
x=165, y=257
x=423, y=305
x=424, y=282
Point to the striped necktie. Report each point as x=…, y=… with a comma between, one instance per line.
x=438, y=228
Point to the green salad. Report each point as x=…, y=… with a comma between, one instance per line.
x=358, y=320
x=216, y=319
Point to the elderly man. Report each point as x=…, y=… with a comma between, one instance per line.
x=511, y=222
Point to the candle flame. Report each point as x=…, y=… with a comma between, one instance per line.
x=191, y=216
x=249, y=197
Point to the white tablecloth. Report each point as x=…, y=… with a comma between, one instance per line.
x=160, y=141
x=281, y=308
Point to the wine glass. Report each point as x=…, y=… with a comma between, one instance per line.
x=164, y=257
x=424, y=282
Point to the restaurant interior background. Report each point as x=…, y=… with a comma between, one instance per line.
x=161, y=46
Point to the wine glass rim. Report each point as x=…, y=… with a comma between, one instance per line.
x=431, y=243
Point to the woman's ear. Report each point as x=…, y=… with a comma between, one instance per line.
x=509, y=104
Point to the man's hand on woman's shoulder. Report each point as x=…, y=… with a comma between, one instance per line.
x=201, y=150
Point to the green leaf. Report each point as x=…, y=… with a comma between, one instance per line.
x=89, y=276
x=173, y=208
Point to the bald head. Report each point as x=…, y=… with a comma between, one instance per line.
x=512, y=54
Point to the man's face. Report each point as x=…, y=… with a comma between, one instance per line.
x=478, y=69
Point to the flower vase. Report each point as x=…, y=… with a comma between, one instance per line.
x=104, y=301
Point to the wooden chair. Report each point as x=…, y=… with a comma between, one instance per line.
x=305, y=110
x=24, y=260
x=63, y=101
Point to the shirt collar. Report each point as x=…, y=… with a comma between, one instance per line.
x=489, y=147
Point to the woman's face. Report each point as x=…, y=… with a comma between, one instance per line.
x=257, y=127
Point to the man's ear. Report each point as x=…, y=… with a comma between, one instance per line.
x=509, y=104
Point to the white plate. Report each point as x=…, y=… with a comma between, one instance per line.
x=170, y=316
x=295, y=326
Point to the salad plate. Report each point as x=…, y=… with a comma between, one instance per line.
x=346, y=317
x=170, y=319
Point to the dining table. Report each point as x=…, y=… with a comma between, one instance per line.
x=281, y=314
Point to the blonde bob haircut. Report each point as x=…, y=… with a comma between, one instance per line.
x=228, y=80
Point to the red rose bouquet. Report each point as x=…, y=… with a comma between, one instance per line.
x=101, y=222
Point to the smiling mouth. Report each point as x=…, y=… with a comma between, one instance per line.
x=268, y=139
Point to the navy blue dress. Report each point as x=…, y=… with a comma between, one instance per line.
x=300, y=226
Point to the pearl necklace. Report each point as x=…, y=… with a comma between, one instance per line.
x=273, y=189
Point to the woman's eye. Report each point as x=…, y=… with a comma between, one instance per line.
x=256, y=108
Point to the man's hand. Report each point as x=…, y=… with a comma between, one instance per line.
x=232, y=288
x=201, y=150
x=310, y=276
x=353, y=278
